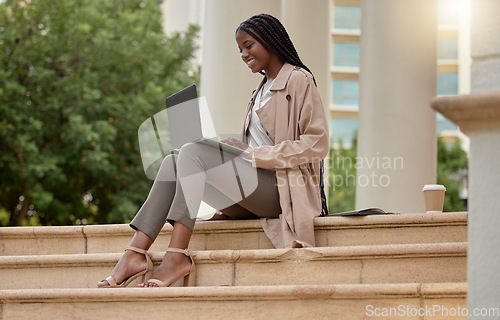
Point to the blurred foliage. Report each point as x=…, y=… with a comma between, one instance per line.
x=451, y=159
x=78, y=77
x=342, y=175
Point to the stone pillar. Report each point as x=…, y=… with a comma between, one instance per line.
x=397, y=151
x=178, y=14
x=226, y=81
x=485, y=46
x=308, y=24
x=478, y=115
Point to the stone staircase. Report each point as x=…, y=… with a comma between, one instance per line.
x=361, y=268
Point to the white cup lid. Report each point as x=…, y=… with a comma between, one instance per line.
x=428, y=187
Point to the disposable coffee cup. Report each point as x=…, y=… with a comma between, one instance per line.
x=434, y=197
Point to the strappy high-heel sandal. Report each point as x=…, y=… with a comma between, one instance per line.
x=189, y=278
x=146, y=274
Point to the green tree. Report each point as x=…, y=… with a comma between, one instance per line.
x=342, y=177
x=77, y=80
x=450, y=160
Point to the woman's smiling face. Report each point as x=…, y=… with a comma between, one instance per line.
x=253, y=53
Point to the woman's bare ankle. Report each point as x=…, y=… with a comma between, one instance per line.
x=173, y=265
x=129, y=264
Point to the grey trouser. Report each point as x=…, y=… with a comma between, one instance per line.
x=224, y=181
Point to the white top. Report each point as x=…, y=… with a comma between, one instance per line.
x=257, y=134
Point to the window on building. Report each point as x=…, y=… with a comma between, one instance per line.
x=447, y=48
x=345, y=92
x=447, y=82
x=344, y=129
x=347, y=16
x=346, y=53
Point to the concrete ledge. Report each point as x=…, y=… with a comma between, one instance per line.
x=339, y=291
x=393, y=220
x=322, y=223
x=471, y=112
x=255, y=256
x=42, y=240
x=33, y=232
x=347, y=302
x=237, y=226
x=240, y=234
x=445, y=262
x=332, y=253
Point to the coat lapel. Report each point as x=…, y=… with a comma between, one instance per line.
x=274, y=115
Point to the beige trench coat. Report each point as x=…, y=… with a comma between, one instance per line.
x=295, y=119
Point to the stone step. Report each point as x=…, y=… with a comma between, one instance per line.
x=409, y=263
x=347, y=302
x=239, y=235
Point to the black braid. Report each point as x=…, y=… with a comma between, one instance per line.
x=272, y=35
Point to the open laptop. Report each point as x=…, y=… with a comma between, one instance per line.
x=190, y=121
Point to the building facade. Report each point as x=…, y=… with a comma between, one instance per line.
x=453, y=74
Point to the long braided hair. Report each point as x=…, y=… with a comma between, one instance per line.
x=269, y=32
